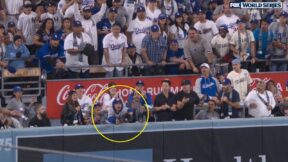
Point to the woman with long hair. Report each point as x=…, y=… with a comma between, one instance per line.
x=44, y=33
x=179, y=31
x=164, y=27
x=65, y=30
x=71, y=112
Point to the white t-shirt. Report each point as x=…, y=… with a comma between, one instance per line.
x=90, y=26
x=152, y=16
x=139, y=30
x=74, y=60
x=244, y=46
x=13, y=6
x=240, y=82
x=208, y=29
x=57, y=18
x=26, y=23
x=221, y=45
x=229, y=21
x=180, y=34
x=85, y=103
x=115, y=47
x=261, y=109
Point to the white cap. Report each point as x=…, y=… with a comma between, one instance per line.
x=205, y=65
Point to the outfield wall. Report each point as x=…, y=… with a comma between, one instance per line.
x=249, y=140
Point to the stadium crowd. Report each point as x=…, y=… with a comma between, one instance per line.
x=150, y=38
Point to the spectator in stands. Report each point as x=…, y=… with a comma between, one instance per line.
x=119, y=114
x=39, y=10
x=84, y=101
x=12, y=30
x=206, y=86
x=152, y=11
x=134, y=58
x=74, y=46
x=89, y=23
x=169, y=8
x=122, y=15
x=219, y=10
x=16, y=50
x=109, y=97
x=209, y=113
x=206, y=27
x=163, y=25
x=274, y=16
x=272, y=87
x=63, y=5
x=44, y=34
x=174, y=55
x=165, y=104
x=138, y=28
x=243, y=45
x=220, y=45
x=197, y=50
x=254, y=24
x=22, y=112
x=179, y=31
x=52, y=58
x=140, y=88
x=8, y=119
x=138, y=108
x=228, y=19
x=263, y=42
x=114, y=44
x=71, y=112
x=186, y=101
x=279, y=44
x=13, y=9
x=260, y=101
x=229, y=101
x=211, y=8
x=26, y=24
x=104, y=28
x=51, y=12
x=40, y=119
x=240, y=79
x=65, y=30
x=97, y=114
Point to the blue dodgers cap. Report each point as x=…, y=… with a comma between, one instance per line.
x=113, y=10
x=117, y=101
x=178, y=14
x=174, y=41
x=139, y=82
x=226, y=82
x=77, y=24
x=240, y=21
x=236, y=61
x=141, y=9
x=11, y=24
x=87, y=9
x=254, y=21
x=11, y=69
x=131, y=45
x=155, y=28
x=55, y=37
x=283, y=13
x=223, y=27
x=201, y=11
x=17, y=89
x=162, y=16
x=78, y=86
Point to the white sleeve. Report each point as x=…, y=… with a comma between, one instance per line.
x=107, y=101
x=20, y=23
x=76, y=12
x=105, y=42
x=173, y=29
x=233, y=40
x=126, y=44
x=98, y=16
x=131, y=26
x=214, y=28
x=214, y=41
x=249, y=79
x=197, y=88
x=251, y=35
x=272, y=100
x=196, y=26
x=68, y=43
x=249, y=98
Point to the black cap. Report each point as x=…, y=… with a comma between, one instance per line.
x=50, y=4
x=186, y=82
x=111, y=84
x=11, y=24
x=71, y=92
x=87, y=9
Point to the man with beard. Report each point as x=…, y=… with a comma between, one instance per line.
x=52, y=58
x=40, y=119
x=89, y=23
x=186, y=100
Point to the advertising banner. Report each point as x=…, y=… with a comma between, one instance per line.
x=57, y=91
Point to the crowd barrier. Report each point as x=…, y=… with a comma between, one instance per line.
x=253, y=140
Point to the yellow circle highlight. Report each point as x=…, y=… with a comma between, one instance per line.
x=112, y=140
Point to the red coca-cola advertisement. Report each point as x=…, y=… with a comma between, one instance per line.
x=57, y=91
